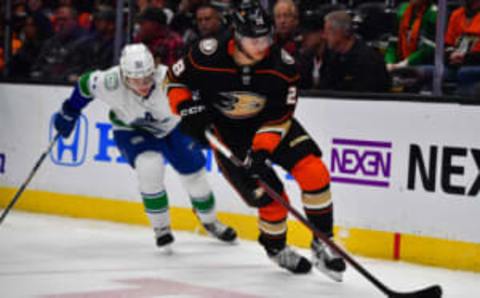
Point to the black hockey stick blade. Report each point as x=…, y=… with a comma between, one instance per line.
x=430, y=292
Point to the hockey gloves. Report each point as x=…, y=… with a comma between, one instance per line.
x=65, y=120
x=195, y=120
x=258, y=167
x=255, y=162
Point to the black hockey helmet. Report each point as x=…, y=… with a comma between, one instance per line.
x=251, y=20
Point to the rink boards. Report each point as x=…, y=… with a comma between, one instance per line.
x=405, y=176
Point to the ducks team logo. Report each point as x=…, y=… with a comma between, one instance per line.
x=241, y=105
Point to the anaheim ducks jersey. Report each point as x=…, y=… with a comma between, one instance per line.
x=129, y=110
x=244, y=101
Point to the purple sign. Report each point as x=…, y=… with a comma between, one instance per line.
x=361, y=162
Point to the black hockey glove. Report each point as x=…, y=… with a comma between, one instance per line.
x=256, y=164
x=258, y=167
x=65, y=120
x=195, y=120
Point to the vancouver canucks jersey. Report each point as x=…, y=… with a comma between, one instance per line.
x=127, y=109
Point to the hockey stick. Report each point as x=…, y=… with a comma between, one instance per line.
x=430, y=292
x=32, y=173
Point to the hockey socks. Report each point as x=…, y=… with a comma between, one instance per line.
x=156, y=207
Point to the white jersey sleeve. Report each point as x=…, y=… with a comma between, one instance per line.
x=104, y=85
x=129, y=110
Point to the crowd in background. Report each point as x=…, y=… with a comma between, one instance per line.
x=359, y=46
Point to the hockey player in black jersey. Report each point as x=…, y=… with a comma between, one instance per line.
x=246, y=89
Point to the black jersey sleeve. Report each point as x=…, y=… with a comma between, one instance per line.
x=178, y=81
x=183, y=76
x=280, y=110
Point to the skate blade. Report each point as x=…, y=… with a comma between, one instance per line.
x=166, y=249
x=334, y=275
x=211, y=235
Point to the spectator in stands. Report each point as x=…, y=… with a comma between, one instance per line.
x=310, y=56
x=225, y=8
x=162, y=4
x=184, y=18
x=34, y=34
x=142, y=5
x=415, y=42
x=42, y=21
x=19, y=15
x=463, y=46
x=208, y=20
x=165, y=44
x=54, y=61
x=208, y=24
x=285, y=15
x=349, y=64
x=95, y=51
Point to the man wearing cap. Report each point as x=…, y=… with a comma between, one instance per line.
x=165, y=45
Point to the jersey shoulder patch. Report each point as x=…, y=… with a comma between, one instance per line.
x=208, y=46
x=286, y=57
x=111, y=79
x=283, y=63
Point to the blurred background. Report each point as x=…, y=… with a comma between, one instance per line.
x=425, y=47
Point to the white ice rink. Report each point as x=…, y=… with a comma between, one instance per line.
x=43, y=256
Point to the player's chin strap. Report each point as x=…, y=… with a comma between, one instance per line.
x=430, y=292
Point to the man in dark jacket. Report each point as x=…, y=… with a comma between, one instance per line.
x=95, y=51
x=55, y=59
x=349, y=64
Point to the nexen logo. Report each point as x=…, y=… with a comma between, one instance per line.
x=361, y=162
x=454, y=168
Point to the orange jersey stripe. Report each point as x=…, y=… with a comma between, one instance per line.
x=211, y=69
x=266, y=141
x=284, y=118
x=178, y=95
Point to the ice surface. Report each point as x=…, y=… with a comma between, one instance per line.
x=47, y=256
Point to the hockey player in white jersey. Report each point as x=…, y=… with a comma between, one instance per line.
x=146, y=133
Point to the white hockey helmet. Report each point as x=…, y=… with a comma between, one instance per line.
x=136, y=61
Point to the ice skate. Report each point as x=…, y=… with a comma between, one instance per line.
x=327, y=261
x=220, y=231
x=291, y=260
x=164, y=239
